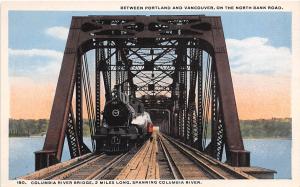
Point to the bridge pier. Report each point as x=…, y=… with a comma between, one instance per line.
x=239, y=158
x=45, y=159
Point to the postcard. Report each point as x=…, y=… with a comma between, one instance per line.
x=150, y=93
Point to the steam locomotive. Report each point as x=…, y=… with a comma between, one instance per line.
x=124, y=124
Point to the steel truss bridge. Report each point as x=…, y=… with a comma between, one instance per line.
x=175, y=64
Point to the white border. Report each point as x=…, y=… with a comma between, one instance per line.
x=113, y=5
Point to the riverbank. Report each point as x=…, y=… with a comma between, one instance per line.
x=276, y=128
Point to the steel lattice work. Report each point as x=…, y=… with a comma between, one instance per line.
x=177, y=64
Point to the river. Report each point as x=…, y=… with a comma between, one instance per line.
x=272, y=154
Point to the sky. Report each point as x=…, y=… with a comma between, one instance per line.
x=258, y=44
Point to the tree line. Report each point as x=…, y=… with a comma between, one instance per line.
x=31, y=127
x=261, y=128
x=272, y=128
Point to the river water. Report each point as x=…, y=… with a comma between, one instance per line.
x=272, y=154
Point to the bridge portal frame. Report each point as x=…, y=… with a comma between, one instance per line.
x=86, y=33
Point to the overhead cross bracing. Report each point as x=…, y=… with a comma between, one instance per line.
x=173, y=63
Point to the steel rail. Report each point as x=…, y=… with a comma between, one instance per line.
x=77, y=166
x=216, y=163
x=210, y=171
x=174, y=169
x=105, y=169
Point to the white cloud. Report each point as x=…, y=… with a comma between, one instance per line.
x=36, y=64
x=36, y=53
x=255, y=55
x=58, y=32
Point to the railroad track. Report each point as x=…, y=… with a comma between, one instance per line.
x=186, y=162
x=172, y=164
x=94, y=167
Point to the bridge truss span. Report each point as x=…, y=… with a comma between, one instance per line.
x=177, y=64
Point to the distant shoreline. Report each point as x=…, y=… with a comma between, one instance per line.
x=276, y=128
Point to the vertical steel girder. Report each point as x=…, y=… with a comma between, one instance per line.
x=108, y=64
x=174, y=117
x=200, y=102
x=214, y=113
x=105, y=73
x=182, y=82
x=78, y=101
x=128, y=85
x=195, y=32
x=98, y=88
x=191, y=109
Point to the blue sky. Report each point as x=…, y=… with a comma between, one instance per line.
x=258, y=44
x=26, y=28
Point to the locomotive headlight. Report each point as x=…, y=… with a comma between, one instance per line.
x=115, y=112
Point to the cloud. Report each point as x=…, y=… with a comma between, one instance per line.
x=36, y=64
x=36, y=53
x=58, y=32
x=255, y=55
